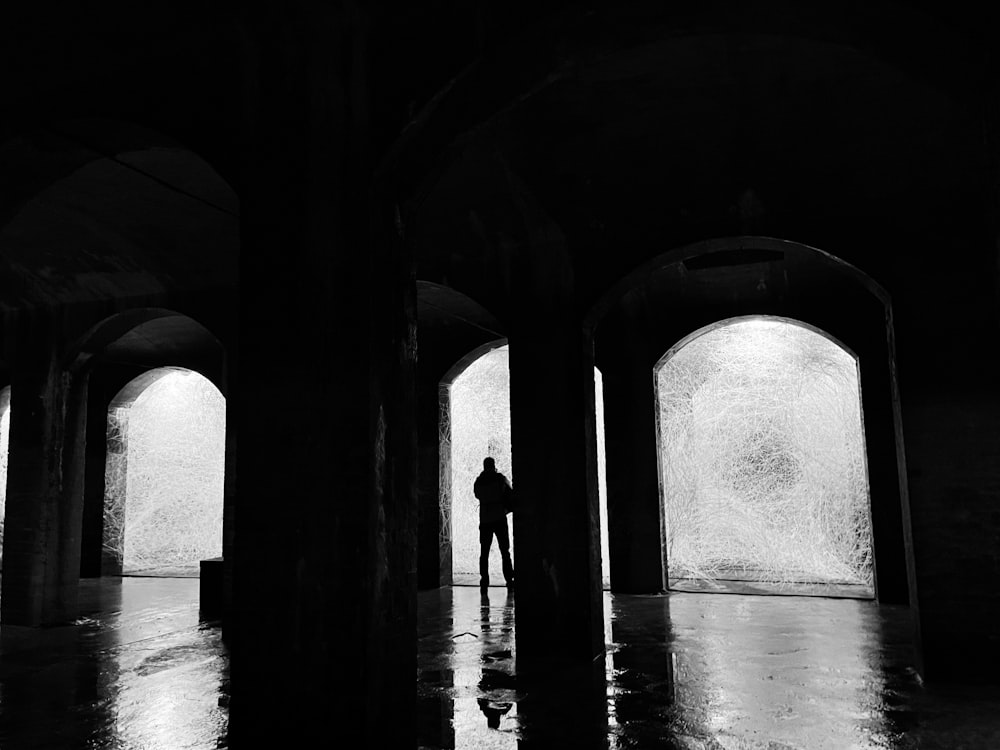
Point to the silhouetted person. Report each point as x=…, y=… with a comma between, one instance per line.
x=494, y=493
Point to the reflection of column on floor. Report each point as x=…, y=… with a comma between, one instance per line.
x=44, y=492
x=435, y=716
x=634, y=504
x=569, y=710
x=642, y=652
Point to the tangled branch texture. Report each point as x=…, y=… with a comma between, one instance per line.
x=762, y=454
x=164, y=476
x=480, y=427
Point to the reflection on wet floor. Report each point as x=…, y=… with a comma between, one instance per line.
x=137, y=670
x=686, y=670
x=693, y=670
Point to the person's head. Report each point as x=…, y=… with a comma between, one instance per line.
x=489, y=464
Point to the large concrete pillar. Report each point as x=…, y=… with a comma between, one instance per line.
x=951, y=420
x=557, y=549
x=323, y=631
x=556, y=521
x=42, y=529
x=558, y=606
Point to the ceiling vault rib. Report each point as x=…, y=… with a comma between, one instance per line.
x=148, y=175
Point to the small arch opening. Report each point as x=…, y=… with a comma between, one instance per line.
x=763, y=472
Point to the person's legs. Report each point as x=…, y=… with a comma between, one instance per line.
x=503, y=542
x=485, y=541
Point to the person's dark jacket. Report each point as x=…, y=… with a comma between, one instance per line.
x=492, y=489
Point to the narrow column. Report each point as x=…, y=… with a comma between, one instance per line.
x=634, y=505
x=229, y=495
x=431, y=570
x=63, y=578
x=93, y=489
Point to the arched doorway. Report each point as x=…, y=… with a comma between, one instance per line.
x=475, y=423
x=763, y=468
x=164, y=475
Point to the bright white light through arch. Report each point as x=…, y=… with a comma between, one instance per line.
x=165, y=472
x=480, y=427
x=762, y=456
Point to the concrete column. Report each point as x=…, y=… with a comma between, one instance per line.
x=93, y=489
x=63, y=580
x=433, y=559
x=635, y=508
x=323, y=633
x=44, y=510
x=951, y=418
x=556, y=522
x=229, y=499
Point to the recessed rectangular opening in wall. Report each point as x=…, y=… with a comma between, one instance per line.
x=733, y=258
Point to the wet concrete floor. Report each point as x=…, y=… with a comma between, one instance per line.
x=689, y=670
x=693, y=670
x=138, y=671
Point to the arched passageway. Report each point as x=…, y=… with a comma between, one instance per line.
x=762, y=460
x=164, y=476
x=475, y=423
x=692, y=289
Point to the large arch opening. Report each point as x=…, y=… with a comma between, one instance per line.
x=475, y=423
x=164, y=474
x=763, y=472
x=121, y=355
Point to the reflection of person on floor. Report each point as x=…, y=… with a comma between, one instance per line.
x=493, y=711
x=494, y=493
